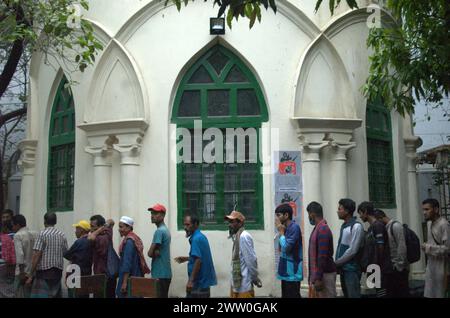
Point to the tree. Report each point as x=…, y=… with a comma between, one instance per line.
x=54, y=28
x=412, y=58
x=13, y=130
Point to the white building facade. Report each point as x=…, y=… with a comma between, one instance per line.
x=108, y=148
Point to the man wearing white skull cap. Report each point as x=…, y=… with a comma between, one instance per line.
x=132, y=262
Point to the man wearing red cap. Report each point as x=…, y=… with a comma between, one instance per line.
x=244, y=267
x=159, y=251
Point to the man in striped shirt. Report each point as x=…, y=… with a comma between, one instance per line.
x=47, y=262
x=322, y=270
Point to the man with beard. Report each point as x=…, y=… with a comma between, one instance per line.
x=437, y=249
x=132, y=261
x=201, y=271
x=244, y=266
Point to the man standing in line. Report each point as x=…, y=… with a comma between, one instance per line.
x=201, y=272
x=132, y=261
x=322, y=270
x=437, y=249
x=377, y=246
x=47, y=261
x=244, y=265
x=350, y=240
x=290, y=270
x=397, y=282
x=101, y=238
x=23, y=244
x=80, y=253
x=159, y=251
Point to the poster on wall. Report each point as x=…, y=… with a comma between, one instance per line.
x=288, y=188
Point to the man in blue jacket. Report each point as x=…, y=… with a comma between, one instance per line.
x=290, y=270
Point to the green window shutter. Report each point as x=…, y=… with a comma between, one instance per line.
x=221, y=91
x=380, y=156
x=61, y=158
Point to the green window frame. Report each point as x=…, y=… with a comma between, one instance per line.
x=380, y=155
x=222, y=92
x=61, y=156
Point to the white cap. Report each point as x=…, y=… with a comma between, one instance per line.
x=127, y=220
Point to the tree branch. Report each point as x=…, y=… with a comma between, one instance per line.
x=11, y=115
x=14, y=56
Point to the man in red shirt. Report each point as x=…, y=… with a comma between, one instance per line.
x=101, y=238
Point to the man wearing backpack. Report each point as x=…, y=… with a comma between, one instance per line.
x=397, y=280
x=437, y=249
x=378, y=244
x=350, y=240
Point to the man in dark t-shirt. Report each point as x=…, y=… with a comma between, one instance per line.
x=101, y=237
x=381, y=254
x=80, y=253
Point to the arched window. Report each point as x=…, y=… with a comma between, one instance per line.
x=221, y=92
x=379, y=154
x=61, y=162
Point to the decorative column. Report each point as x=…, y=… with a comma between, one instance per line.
x=415, y=216
x=314, y=135
x=129, y=175
x=124, y=136
x=340, y=145
x=102, y=178
x=311, y=145
x=26, y=164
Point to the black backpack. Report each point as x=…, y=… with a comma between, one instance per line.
x=412, y=243
x=366, y=250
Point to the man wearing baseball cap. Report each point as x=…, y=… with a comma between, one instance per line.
x=80, y=253
x=159, y=251
x=244, y=266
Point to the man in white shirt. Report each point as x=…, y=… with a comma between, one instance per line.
x=23, y=244
x=244, y=267
x=437, y=249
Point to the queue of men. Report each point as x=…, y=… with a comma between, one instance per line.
x=32, y=264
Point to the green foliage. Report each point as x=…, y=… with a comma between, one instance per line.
x=411, y=58
x=53, y=27
x=250, y=9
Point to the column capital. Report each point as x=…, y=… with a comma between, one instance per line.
x=129, y=153
x=102, y=154
x=124, y=136
x=340, y=150
x=411, y=145
x=27, y=159
x=311, y=144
